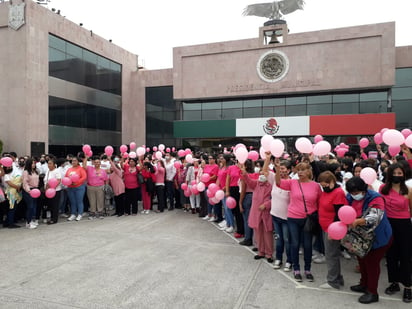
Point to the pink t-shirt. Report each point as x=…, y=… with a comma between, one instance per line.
x=130, y=179
x=160, y=175
x=396, y=205
x=311, y=191
x=233, y=172
x=221, y=176
x=212, y=170
x=94, y=178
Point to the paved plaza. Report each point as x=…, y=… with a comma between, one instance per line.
x=168, y=260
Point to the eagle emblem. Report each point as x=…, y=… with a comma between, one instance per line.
x=271, y=127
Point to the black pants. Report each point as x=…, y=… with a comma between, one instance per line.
x=53, y=206
x=161, y=199
x=119, y=201
x=234, y=192
x=399, y=255
x=170, y=193
x=131, y=198
x=203, y=205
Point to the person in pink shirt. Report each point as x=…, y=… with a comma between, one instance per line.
x=160, y=175
x=132, y=188
x=228, y=224
x=96, y=179
x=233, y=190
x=260, y=219
x=214, y=211
x=148, y=173
x=304, y=198
x=30, y=182
x=76, y=190
x=398, y=205
x=117, y=184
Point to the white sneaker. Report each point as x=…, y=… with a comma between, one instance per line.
x=45, y=221
x=288, y=267
x=320, y=259
x=222, y=228
x=277, y=264
x=222, y=224
x=147, y=211
x=31, y=225
x=346, y=255
x=212, y=219
x=206, y=217
x=79, y=217
x=71, y=218
x=35, y=222
x=229, y=229
x=143, y=211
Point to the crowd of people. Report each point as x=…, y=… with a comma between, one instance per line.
x=273, y=199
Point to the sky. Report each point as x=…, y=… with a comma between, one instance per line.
x=151, y=28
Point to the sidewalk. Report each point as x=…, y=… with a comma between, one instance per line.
x=168, y=260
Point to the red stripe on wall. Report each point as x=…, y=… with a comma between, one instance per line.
x=364, y=124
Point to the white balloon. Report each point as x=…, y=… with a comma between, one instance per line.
x=277, y=148
x=266, y=141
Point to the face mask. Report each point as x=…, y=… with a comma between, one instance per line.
x=257, y=170
x=42, y=161
x=358, y=196
x=167, y=158
x=21, y=164
x=327, y=189
x=116, y=159
x=262, y=178
x=397, y=179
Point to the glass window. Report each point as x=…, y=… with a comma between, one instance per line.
x=252, y=112
x=403, y=77
x=343, y=98
x=346, y=108
x=279, y=111
x=57, y=43
x=373, y=96
x=296, y=101
x=56, y=55
x=73, y=50
x=402, y=93
x=232, y=104
x=90, y=57
x=295, y=110
x=274, y=102
x=319, y=109
x=320, y=99
x=252, y=103
x=57, y=111
x=372, y=107
x=192, y=115
x=267, y=112
x=211, y=105
x=212, y=114
x=192, y=106
x=403, y=113
x=232, y=113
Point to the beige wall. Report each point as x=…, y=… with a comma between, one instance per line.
x=25, y=93
x=404, y=57
x=346, y=58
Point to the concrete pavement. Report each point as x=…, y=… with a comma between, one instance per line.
x=168, y=260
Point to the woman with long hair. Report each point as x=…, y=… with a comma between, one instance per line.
x=117, y=184
x=160, y=174
x=398, y=205
x=76, y=190
x=53, y=203
x=30, y=182
x=147, y=172
x=132, y=191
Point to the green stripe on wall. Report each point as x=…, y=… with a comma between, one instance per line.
x=205, y=128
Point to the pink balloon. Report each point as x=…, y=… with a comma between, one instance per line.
x=341, y=152
x=212, y=201
x=262, y=153
x=253, y=155
x=209, y=193
x=368, y=175
x=205, y=178
x=238, y=146
x=154, y=148
x=277, y=148
x=181, y=153
x=318, y=138
x=147, y=149
x=123, y=149
x=177, y=164
x=213, y=188
x=66, y=181
x=406, y=132
x=363, y=142
x=173, y=149
x=337, y=230
x=219, y=195
x=89, y=154
x=266, y=141
x=187, y=151
x=74, y=177
x=377, y=138
x=347, y=214
x=193, y=183
x=140, y=151
x=408, y=141
x=322, y=148
x=303, y=145
x=53, y=182
x=184, y=186
x=189, y=158
x=201, y=187
x=194, y=190
x=167, y=149
x=50, y=193
x=230, y=202
x=6, y=161
x=132, y=145
x=241, y=155
x=125, y=155
x=132, y=154
x=394, y=150
x=35, y=193
x=187, y=193
x=393, y=138
x=158, y=155
x=86, y=148
x=384, y=130
x=108, y=151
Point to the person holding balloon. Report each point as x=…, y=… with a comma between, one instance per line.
x=53, y=187
x=331, y=199
x=76, y=190
x=398, y=208
x=31, y=191
x=370, y=210
x=132, y=187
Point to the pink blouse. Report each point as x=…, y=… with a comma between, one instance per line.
x=96, y=178
x=396, y=205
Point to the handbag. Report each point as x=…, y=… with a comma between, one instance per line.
x=140, y=178
x=312, y=220
x=359, y=240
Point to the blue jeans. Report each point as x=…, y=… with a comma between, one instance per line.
x=31, y=204
x=298, y=236
x=247, y=205
x=76, y=199
x=283, y=241
x=230, y=221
